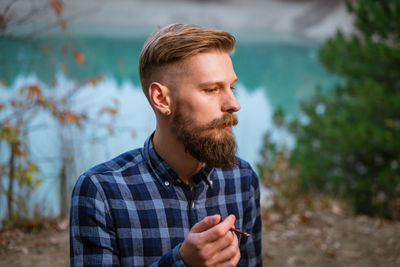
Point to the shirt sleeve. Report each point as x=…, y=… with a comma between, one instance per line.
x=92, y=235
x=93, y=238
x=250, y=247
x=171, y=259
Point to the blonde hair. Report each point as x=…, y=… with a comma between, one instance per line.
x=175, y=42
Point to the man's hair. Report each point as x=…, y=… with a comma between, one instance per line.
x=176, y=42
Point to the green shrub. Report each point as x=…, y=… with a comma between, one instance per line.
x=350, y=145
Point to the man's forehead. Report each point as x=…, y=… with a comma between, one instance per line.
x=207, y=67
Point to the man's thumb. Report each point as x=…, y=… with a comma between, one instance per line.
x=206, y=223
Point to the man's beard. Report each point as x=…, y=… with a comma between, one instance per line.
x=214, y=143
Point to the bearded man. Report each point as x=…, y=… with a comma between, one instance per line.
x=178, y=200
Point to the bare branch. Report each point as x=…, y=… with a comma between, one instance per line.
x=8, y=7
x=33, y=12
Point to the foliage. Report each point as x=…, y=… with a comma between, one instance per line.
x=276, y=174
x=288, y=201
x=16, y=118
x=20, y=112
x=349, y=144
x=279, y=177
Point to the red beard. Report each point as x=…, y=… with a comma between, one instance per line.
x=214, y=143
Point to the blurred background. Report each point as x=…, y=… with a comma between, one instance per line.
x=319, y=85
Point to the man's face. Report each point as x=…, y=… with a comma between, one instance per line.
x=204, y=106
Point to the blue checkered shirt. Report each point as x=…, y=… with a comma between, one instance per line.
x=135, y=211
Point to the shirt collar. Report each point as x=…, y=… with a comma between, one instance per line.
x=164, y=173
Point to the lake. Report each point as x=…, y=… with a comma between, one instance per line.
x=273, y=71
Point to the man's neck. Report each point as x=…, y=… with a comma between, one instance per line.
x=172, y=151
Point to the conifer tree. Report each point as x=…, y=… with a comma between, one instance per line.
x=350, y=145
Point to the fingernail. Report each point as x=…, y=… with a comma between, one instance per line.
x=213, y=218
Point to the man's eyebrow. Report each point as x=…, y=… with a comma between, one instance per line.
x=219, y=83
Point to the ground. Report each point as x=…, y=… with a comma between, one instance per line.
x=325, y=237
x=44, y=245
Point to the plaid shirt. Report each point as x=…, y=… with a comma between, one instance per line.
x=135, y=211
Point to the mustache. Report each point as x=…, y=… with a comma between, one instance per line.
x=226, y=120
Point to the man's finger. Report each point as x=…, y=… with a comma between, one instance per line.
x=219, y=230
x=219, y=245
x=205, y=224
x=232, y=262
x=229, y=253
x=228, y=256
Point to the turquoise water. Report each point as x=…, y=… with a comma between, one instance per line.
x=287, y=69
x=272, y=71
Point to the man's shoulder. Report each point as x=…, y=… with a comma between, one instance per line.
x=244, y=167
x=243, y=164
x=112, y=177
x=130, y=161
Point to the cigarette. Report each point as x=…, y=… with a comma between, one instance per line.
x=240, y=232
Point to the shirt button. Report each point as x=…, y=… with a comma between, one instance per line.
x=193, y=205
x=166, y=183
x=211, y=182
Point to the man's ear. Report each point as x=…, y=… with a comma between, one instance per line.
x=160, y=98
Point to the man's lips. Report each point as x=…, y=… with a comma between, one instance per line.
x=226, y=126
x=224, y=123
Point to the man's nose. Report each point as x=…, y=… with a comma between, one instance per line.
x=230, y=103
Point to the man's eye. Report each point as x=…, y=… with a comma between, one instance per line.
x=210, y=90
x=233, y=88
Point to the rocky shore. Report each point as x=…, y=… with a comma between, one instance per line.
x=313, y=19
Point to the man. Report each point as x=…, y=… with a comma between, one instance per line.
x=176, y=201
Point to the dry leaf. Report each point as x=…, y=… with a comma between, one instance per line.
x=330, y=253
x=91, y=81
x=3, y=22
x=68, y=116
x=80, y=58
x=57, y=6
x=306, y=217
x=16, y=149
x=38, y=244
x=111, y=111
x=33, y=91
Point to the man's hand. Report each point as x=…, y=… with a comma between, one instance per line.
x=210, y=243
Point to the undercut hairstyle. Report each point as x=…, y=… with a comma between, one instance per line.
x=176, y=42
